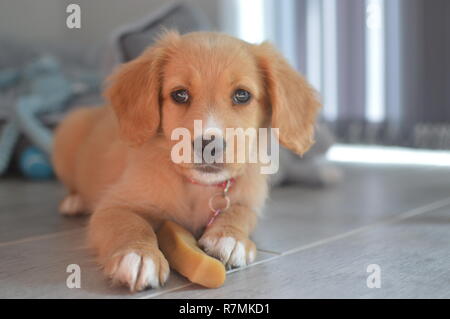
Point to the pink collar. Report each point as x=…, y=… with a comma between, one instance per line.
x=223, y=184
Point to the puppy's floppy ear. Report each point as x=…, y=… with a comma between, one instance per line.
x=134, y=92
x=294, y=103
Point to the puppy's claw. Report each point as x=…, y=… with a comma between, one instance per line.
x=139, y=271
x=230, y=251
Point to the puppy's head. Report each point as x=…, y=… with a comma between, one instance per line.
x=221, y=81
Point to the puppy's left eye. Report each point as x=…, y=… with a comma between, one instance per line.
x=241, y=96
x=180, y=96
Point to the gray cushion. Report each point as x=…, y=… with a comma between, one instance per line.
x=131, y=40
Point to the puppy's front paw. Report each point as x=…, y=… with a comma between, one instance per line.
x=138, y=270
x=234, y=251
x=72, y=205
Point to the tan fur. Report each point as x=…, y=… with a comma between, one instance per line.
x=116, y=158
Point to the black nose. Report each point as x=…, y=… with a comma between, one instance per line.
x=215, y=149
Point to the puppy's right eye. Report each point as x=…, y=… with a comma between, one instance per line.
x=180, y=96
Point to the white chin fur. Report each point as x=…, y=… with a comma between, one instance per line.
x=210, y=178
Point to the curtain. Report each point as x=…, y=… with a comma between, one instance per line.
x=382, y=68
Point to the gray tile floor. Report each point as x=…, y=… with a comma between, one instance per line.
x=313, y=243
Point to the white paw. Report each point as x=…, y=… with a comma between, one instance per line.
x=232, y=252
x=71, y=205
x=139, y=272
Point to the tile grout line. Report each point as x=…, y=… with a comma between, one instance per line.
x=155, y=294
x=272, y=252
x=408, y=214
x=152, y=295
x=40, y=237
x=275, y=255
x=411, y=213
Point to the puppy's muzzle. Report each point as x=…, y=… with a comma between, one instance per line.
x=210, y=150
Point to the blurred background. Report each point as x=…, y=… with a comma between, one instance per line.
x=382, y=67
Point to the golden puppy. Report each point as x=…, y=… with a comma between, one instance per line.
x=116, y=160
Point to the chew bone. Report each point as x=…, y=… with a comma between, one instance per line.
x=184, y=255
